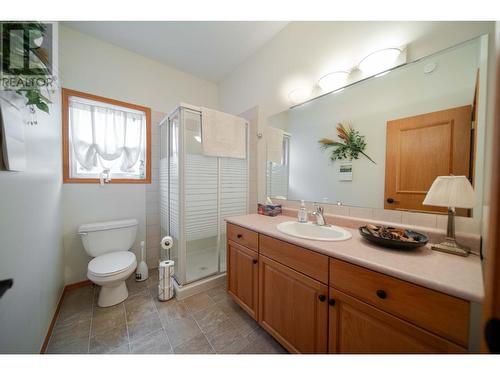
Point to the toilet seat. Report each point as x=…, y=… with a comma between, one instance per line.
x=111, y=264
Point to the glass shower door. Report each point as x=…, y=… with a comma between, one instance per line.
x=201, y=192
x=197, y=193
x=170, y=191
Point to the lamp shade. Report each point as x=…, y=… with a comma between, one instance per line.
x=450, y=191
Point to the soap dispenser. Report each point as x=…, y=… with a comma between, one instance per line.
x=302, y=214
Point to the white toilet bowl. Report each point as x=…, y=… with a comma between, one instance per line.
x=109, y=244
x=110, y=272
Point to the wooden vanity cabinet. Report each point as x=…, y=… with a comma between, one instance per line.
x=312, y=303
x=356, y=327
x=436, y=312
x=293, y=307
x=243, y=277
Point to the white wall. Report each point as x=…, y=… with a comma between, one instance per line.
x=406, y=91
x=304, y=51
x=31, y=250
x=90, y=65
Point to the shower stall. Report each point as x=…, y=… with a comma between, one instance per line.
x=197, y=193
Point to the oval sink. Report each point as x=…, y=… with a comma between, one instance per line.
x=312, y=231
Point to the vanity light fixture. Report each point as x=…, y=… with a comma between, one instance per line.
x=379, y=61
x=299, y=95
x=451, y=192
x=333, y=81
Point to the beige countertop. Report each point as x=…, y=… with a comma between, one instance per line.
x=455, y=275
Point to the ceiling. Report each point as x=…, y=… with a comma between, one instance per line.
x=207, y=49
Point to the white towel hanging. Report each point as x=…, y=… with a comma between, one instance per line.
x=222, y=134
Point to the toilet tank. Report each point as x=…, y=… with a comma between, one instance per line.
x=108, y=236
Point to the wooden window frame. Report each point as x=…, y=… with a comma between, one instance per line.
x=66, y=93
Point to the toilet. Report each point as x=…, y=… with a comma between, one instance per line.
x=109, y=243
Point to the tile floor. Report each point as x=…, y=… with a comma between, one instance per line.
x=208, y=322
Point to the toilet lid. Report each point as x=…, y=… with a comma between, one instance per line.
x=111, y=263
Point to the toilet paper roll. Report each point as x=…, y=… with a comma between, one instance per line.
x=167, y=242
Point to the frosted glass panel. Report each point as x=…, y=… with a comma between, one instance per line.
x=201, y=203
x=234, y=197
x=174, y=194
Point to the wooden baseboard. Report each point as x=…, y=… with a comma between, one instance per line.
x=66, y=289
x=77, y=285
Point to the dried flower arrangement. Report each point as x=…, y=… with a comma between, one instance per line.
x=351, y=145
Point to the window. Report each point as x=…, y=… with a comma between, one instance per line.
x=278, y=174
x=101, y=135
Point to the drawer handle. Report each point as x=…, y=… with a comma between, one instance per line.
x=322, y=298
x=381, y=294
x=331, y=302
x=239, y=235
x=255, y=261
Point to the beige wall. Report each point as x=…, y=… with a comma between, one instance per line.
x=90, y=65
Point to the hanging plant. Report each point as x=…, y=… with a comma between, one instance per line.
x=351, y=144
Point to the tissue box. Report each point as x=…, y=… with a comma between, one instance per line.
x=269, y=209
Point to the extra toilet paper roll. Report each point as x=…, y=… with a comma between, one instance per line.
x=167, y=242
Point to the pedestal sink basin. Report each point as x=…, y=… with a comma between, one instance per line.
x=311, y=231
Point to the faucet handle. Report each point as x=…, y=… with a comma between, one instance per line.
x=317, y=207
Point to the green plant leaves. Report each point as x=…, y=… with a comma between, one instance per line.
x=36, y=98
x=351, y=145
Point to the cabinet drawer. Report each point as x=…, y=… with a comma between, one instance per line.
x=439, y=313
x=243, y=236
x=306, y=261
x=356, y=327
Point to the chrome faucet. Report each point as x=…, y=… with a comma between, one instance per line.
x=318, y=212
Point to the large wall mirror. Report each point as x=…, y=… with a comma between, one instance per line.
x=419, y=121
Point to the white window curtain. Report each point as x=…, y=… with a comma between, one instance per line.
x=103, y=136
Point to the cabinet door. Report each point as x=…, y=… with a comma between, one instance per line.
x=356, y=327
x=293, y=307
x=243, y=277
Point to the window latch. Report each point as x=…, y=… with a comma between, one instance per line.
x=105, y=176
